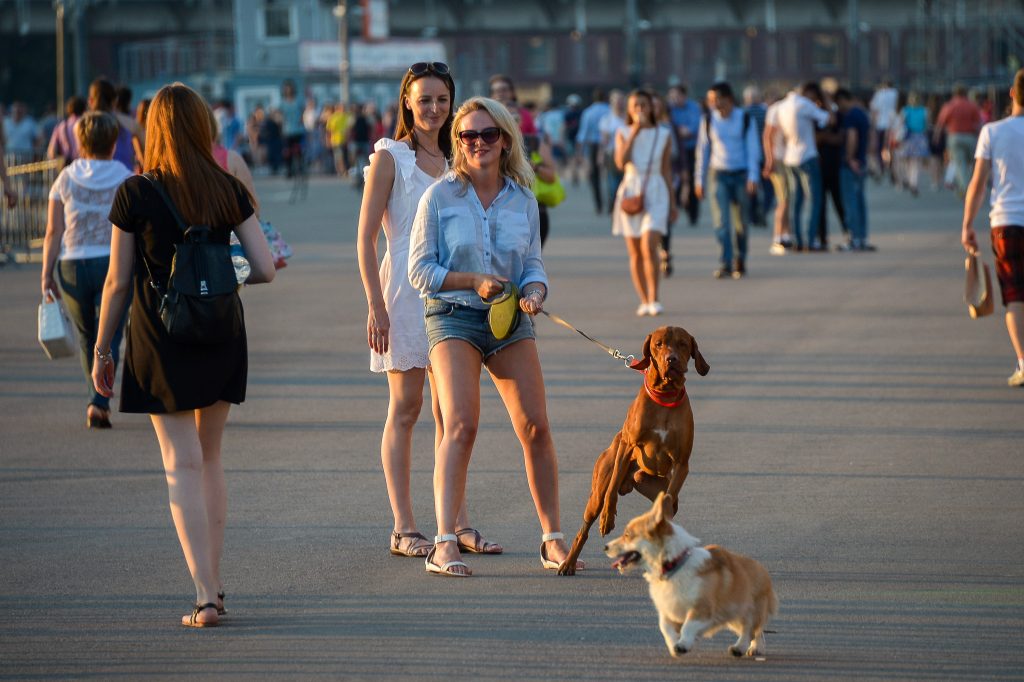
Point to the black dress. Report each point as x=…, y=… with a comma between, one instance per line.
x=160, y=375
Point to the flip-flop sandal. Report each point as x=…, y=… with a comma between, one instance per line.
x=479, y=546
x=444, y=569
x=193, y=620
x=220, y=609
x=413, y=548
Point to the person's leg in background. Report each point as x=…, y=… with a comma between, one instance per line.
x=721, y=216
x=593, y=152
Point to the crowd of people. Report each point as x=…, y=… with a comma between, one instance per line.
x=456, y=189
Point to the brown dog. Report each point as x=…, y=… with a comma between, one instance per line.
x=651, y=453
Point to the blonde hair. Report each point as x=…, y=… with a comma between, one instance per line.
x=514, y=163
x=97, y=133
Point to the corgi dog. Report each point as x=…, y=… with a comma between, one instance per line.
x=696, y=590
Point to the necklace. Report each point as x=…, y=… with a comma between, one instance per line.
x=439, y=166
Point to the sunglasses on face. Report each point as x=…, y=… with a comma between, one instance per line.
x=420, y=68
x=488, y=135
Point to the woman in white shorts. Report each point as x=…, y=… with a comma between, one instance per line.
x=399, y=173
x=643, y=153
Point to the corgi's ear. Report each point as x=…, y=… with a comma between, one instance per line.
x=660, y=508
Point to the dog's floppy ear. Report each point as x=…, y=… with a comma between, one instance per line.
x=699, y=363
x=641, y=365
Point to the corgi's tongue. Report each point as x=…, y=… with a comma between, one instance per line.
x=624, y=560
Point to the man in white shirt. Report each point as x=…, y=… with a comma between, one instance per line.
x=774, y=145
x=23, y=134
x=998, y=155
x=883, y=107
x=728, y=164
x=798, y=117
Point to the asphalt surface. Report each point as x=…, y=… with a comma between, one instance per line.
x=855, y=435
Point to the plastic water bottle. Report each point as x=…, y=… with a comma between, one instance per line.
x=238, y=259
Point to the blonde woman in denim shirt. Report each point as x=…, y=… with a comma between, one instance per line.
x=476, y=229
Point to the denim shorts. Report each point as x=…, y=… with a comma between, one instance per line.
x=446, y=320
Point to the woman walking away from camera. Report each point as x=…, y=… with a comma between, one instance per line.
x=187, y=389
x=399, y=173
x=475, y=234
x=643, y=154
x=77, y=243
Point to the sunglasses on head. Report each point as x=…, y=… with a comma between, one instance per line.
x=488, y=135
x=420, y=68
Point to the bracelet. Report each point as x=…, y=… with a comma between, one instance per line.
x=105, y=357
x=538, y=292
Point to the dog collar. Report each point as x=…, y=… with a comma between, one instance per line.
x=670, y=567
x=665, y=398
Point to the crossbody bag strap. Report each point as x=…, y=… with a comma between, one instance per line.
x=177, y=218
x=650, y=161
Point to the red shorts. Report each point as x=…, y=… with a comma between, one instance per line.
x=1008, y=245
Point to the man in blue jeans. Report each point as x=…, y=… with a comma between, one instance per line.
x=856, y=131
x=729, y=165
x=798, y=117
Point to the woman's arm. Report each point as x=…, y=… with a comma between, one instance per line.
x=376, y=193
x=533, y=282
x=256, y=250
x=240, y=169
x=115, y=294
x=624, y=146
x=545, y=170
x=51, y=246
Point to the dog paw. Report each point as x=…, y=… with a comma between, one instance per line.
x=736, y=651
x=678, y=650
x=567, y=569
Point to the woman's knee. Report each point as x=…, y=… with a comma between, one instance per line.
x=460, y=433
x=405, y=410
x=535, y=430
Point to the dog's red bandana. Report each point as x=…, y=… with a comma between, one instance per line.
x=670, y=567
x=663, y=398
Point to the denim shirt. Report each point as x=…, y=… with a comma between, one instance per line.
x=453, y=233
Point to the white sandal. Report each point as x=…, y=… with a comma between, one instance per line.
x=443, y=569
x=548, y=563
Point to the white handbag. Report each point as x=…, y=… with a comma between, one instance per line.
x=55, y=334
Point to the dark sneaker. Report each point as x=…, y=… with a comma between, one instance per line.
x=846, y=248
x=867, y=247
x=740, y=269
x=722, y=273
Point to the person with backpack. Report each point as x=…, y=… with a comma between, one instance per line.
x=729, y=166
x=185, y=358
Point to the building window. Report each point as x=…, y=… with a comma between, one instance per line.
x=277, y=23
x=734, y=52
x=579, y=57
x=882, y=50
x=649, y=55
x=791, y=50
x=540, y=56
x=501, y=57
x=827, y=54
x=601, y=55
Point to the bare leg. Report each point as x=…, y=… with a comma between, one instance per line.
x=210, y=425
x=456, y=366
x=182, y=455
x=463, y=519
x=517, y=376
x=636, y=268
x=1015, y=325
x=406, y=390
x=652, y=264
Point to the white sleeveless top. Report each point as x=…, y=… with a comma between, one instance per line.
x=654, y=217
x=407, y=347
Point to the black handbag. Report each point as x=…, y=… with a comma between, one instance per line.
x=200, y=304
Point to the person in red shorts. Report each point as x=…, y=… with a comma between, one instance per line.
x=999, y=155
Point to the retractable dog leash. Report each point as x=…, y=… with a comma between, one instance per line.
x=628, y=360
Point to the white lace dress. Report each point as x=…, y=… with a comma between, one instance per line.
x=407, y=347
x=654, y=217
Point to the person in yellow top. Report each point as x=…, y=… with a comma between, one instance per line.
x=337, y=128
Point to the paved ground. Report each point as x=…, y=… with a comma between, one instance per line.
x=855, y=435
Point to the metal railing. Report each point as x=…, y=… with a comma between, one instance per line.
x=22, y=226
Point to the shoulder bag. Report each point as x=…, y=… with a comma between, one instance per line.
x=635, y=204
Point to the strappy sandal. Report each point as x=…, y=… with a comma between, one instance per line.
x=479, y=546
x=548, y=563
x=418, y=545
x=444, y=569
x=220, y=609
x=193, y=620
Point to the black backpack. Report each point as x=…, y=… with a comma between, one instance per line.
x=200, y=304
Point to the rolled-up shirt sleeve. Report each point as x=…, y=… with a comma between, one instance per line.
x=533, y=264
x=426, y=273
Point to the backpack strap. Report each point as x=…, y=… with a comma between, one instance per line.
x=182, y=225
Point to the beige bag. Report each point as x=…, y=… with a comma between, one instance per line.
x=978, y=287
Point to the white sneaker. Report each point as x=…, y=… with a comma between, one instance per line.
x=655, y=308
x=643, y=310
x=1017, y=378
x=777, y=249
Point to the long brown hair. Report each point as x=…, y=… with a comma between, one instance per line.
x=405, y=126
x=178, y=148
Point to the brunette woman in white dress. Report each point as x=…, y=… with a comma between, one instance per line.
x=399, y=173
x=643, y=154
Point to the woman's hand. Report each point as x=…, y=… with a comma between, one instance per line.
x=50, y=288
x=103, y=370
x=533, y=302
x=488, y=285
x=378, y=326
